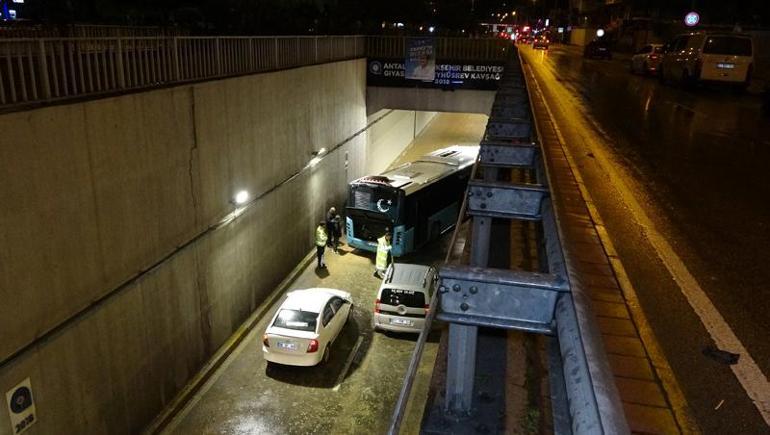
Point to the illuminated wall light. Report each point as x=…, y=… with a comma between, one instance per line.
x=431, y=29
x=241, y=197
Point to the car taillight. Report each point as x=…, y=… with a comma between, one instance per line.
x=377, y=306
x=265, y=341
x=427, y=309
x=312, y=346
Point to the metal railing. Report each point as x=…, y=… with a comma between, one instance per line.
x=448, y=49
x=583, y=394
x=51, y=69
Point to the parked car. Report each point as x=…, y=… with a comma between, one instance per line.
x=646, y=59
x=541, y=42
x=306, y=324
x=708, y=57
x=404, y=298
x=598, y=48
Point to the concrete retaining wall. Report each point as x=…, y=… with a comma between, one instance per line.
x=428, y=100
x=97, y=192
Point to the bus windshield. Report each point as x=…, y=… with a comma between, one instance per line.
x=375, y=198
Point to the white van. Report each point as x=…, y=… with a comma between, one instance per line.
x=404, y=298
x=711, y=57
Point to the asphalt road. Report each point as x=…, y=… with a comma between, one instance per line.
x=680, y=179
x=357, y=390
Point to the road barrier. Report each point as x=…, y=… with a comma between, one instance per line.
x=583, y=394
x=53, y=69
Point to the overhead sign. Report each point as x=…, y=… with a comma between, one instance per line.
x=420, y=62
x=21, y=407
x=454, y=75
x=691, y=19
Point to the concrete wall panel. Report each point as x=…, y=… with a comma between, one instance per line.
x=50, y=255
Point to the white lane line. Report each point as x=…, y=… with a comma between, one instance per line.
x=348, y=363
x=747, y=371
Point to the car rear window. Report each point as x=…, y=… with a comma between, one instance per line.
x=408, y=298
x=295, y=319
x=729, y=45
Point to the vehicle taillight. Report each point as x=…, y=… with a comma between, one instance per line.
x=265, y=341
x=313, y=346
x=377, y=306
x=427, y=309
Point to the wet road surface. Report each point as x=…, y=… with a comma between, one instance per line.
x=693, y=162
x=356, y=392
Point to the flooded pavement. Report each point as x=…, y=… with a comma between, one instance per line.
x=692, y=163
x=357, y=390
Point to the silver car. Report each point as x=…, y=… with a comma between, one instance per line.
x=646, y=60
x=404, y=298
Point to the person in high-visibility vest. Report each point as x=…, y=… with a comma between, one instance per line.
x=383, y=258
x=320, y=243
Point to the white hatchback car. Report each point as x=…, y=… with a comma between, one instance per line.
x=404, y=298
x=305, y=326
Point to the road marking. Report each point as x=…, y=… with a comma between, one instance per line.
x=750, y=376
x=348, y=363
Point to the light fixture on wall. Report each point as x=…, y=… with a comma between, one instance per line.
x=241, y=197
x=317, y=156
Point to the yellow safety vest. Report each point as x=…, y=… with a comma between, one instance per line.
x=383, y=248
x=320, y=236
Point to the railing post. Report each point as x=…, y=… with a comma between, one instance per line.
x=44, y=71
x=315, y=39
x=119, y=65
x=175, y=54
x=218, y=56
x=275, y=44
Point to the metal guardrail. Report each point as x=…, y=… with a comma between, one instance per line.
x=51, y=69
x=54, y=69
x=583, y=394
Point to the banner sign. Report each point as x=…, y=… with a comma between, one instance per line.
x=420, y=59
x=446, y=75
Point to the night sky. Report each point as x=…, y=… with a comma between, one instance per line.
x=350, y=16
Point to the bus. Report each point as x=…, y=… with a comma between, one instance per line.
x=417, y=201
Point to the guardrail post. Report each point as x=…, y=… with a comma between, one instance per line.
x=119, y=65
x=218, y=56
x=275, y=44
x=44, y=71
x=175, y=54
x=461, y=364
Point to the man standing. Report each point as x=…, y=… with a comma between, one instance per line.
x=384, y=257
x=335, y=233
x=320, y=243
x=330, y=225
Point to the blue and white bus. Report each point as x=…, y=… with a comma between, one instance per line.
x=417, y=201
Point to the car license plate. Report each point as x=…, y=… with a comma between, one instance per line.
x=402, y=322
x=287, y=345
x=725, y=65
